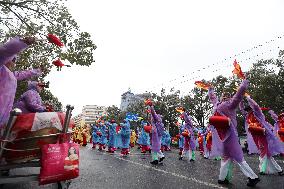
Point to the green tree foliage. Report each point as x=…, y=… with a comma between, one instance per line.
x=39, y=18
x=113, y=112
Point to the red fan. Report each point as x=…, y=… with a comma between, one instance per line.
x=255, y=130
x=55, y=40
x=59, y=64
x=238, y=70
x=220, y=122
x=148, y=128
x=178, y=136
x=185, y=133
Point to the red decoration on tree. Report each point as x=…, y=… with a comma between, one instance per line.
x=148, y=102
x=59, y=64
x=55, y=40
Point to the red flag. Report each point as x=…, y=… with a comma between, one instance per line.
x=55, y=40
x=202, y=85
x=238, y=70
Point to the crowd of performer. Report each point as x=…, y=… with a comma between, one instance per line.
x=218, y=140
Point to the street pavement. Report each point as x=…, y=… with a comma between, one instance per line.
x=110, y=171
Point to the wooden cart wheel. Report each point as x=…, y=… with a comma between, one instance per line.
x=63, y=184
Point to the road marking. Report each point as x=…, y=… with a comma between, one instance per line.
x=173, y=174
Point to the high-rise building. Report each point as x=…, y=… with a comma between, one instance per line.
x=128, y=98
x=91, y=113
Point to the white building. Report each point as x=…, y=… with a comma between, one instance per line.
x=91, y=113
x=128, y=98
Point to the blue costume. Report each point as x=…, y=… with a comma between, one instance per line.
x=112, y=136
x=103, y=139
x=125, y=137
x=95, y=136
x=144, y=140
x=166, y=141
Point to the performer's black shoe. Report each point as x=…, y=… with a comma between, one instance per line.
x=161, y=159
x=191, y=160
x=223, y=181
x=253, y=182
x=180, y=158
x=281, y=173
x=155, y=162
x=262, y=173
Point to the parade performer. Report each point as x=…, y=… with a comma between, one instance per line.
x=125, y=132
x=144, y=140
x=30, y=101
x=112, y=136
x=180, y=140
x=133, y=139
x=103, y=138
x=118, y=137
x=189, y=139
x=252, y=148
x=279, y=125
x=95, y=135
x=84, y=135
x=200, y=139
x=166, y=141
x=212, y=142
x=268, y=144
x=156, y=134
x=8, y=79
x=231, y=149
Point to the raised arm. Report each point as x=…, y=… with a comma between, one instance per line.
x=273, y=115
x=10, y=49
x=256, y=109
x=242, y=108
x=154, y=115
x=27, y=74
x=187, y=119
x=212, y=96
x=237, y=98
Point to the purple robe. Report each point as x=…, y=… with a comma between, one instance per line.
x=276, y=125
x=30, y=101
x=157, y=130
x=230, y=146
x=189, y=126
x=8, y=79
x=252, y=148
x=217, y=145
x=274, y=144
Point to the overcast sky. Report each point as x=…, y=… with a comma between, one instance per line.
x=142, y=44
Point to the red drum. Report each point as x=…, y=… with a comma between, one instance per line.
x=255, y=130
x=220, y=122
x=281, y=132
x=148, y=128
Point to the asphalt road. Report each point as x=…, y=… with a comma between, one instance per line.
x=103, y=170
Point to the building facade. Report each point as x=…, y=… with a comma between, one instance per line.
x=91, y=113
x=128, y=98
